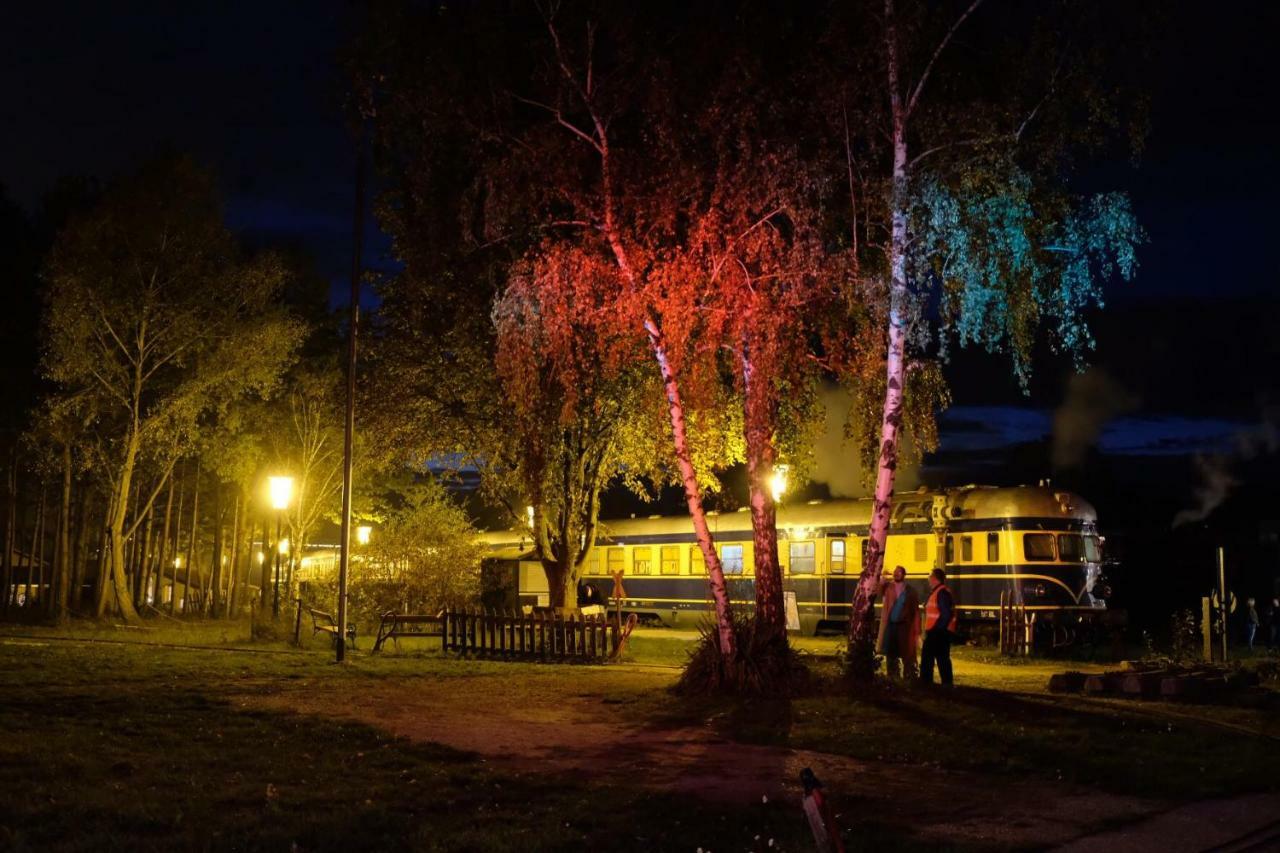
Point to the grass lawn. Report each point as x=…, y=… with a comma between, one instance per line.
x=144, y=747
x=137, y=748
x=1001, y=719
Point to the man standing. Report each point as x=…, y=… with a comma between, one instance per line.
x=899, y=626
x=590, y=601
x=939, y=623
x=1250, y=621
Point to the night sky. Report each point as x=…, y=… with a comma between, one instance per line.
x=255, y=91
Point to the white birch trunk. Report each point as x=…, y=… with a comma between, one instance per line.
x=862, y=633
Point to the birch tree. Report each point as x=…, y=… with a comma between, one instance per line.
x=981, y=217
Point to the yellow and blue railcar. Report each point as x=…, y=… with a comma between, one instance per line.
x=1037, y=545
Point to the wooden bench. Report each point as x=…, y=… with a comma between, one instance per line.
x=397, y=625
x=324, y=623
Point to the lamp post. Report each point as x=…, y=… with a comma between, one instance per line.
x=349, y=430
x=778, y=482
x=281, y=489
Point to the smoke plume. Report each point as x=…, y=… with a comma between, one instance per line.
x=836, y=461
x=1216, y=469
x=1093, y=398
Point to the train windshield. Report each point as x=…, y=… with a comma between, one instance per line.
x=1092, y=549
x=1070, y=548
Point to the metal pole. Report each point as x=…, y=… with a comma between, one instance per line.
x=344, y=559
x=275, y=597
x=1224, y=607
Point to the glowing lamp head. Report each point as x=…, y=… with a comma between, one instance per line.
x=528, y=511
x=283, y=546
x=363, y=532
x=262, y=558
x=778, y=482
x=281, y=489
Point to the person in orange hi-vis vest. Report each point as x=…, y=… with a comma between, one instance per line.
x=939, y=625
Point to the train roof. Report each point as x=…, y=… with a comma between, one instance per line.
x=966, y=502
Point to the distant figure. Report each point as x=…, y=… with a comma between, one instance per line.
x=899, y=626
x=590, y=601
x=1250, y=621
x=939, y=624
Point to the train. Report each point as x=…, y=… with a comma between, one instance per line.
x=1034, y=546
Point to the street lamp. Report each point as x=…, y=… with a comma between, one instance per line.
x=363, y=532
x=281, y=489
x=778, y=482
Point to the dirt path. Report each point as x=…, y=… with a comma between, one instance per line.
x=575, y=730
x=1247, y=823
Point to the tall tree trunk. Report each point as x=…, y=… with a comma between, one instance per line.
x=147, y=552
x=162, y=548
x=116, y=533
x=215, y=573
x=103, y=581
x=264, y=567
x=233, y=573
x=80, y=549
x=132, y=546
x=62, y=580
x=177, y=547
x=862, y=629
x=562, y=587
x=762, y=456
x=295, y=539
x=35, y=557
x=191, y=542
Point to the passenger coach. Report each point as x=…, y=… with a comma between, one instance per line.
x=1039, y=545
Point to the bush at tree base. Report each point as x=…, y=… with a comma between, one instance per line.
x=760, y=667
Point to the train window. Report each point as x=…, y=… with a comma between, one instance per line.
x=951, y=549
x=670, y=555
x=993, y=547
x=731, y=559
x=1070, y=548
x=1092, y=551
x=966, y=549
x=802, y=558
x=615, y=561
x=837, y=556
x=642, y=561
x=921, y=549
x=1038, y=546
x=697, y=562
x=862, y=553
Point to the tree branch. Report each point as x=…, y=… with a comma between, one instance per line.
x=942, y=45
x=561, y=120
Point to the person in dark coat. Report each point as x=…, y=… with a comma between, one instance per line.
x=899, y=626
x=589, y=596
x=1250, y=621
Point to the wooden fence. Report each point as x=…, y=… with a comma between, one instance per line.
x=1017, y=628
x=535, y=636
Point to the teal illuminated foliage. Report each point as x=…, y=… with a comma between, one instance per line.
x=1006, y=261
